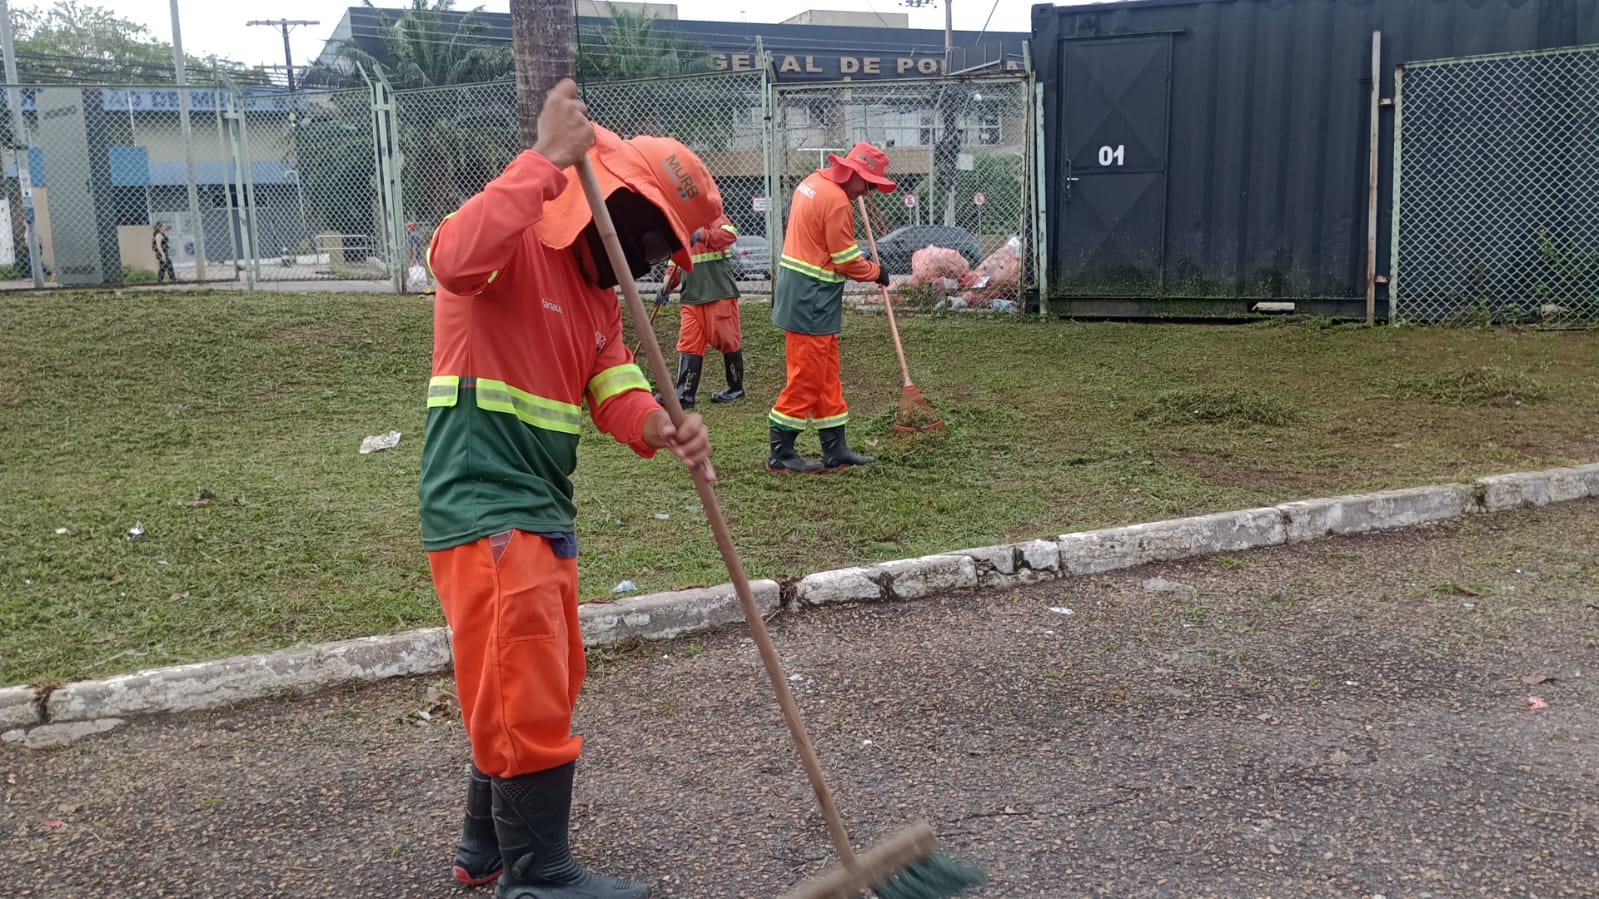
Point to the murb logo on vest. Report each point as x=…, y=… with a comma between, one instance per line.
x=599, y=342
x=552, y=305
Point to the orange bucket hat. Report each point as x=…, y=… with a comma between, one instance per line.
x=661, y=170
x=864, y=160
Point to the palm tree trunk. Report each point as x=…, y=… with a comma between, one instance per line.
x=544, y=44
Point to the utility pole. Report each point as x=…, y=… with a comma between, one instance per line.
x=949, y=35
x=544, y=46
x=197, y=220
x=949, y=28
x=19, y=143
x=286, y=25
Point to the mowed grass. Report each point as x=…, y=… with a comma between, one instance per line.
x=122, y=408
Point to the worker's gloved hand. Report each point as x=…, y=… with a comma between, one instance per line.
x=689, y=441
x=661, y=296
x=882, y=276
x=565, y=132
x=699, y=235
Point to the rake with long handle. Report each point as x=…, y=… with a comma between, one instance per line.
x=661, y=297
x=906, y=866
x=915, y=412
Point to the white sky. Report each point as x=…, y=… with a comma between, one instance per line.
x=213, y=26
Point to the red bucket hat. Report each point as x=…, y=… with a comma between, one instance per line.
x=864, y=160
x=660, y=169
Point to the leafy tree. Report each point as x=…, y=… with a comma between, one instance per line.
x=632, y=48
x=74, y=42
x=421, y=49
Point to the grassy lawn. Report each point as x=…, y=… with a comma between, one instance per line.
x=123, y=408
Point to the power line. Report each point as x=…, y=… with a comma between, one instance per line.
x=286, y=25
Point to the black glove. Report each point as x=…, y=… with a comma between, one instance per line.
x=882, y=276
x=661, y=296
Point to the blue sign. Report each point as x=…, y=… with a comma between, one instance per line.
x=155, y=99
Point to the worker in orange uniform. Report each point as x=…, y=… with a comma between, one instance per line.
x=820, y=253
x=526, y=328
x=710, y=314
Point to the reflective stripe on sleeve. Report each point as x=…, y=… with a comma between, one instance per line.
x=615, y=380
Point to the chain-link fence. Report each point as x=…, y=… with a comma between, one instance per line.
x=1496, y=189
x=106, y=168
x=254, y=186
x=312, y=192
x=351, y=184
x=961, y=151
x=453, y=140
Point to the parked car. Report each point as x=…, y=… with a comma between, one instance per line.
x=751, y=258
x=897, y=246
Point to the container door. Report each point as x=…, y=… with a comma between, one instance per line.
x=1115, y=98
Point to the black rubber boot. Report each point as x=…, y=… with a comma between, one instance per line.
x=734, y=363
x=532, y=813
x=477, y=855
x=836, y=452
x=689, y=366
x=784, y=457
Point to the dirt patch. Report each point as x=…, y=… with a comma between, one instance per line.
x=1224, y=471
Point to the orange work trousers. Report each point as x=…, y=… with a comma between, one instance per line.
x=713, y=324
x=813, y=393
x=512, y=611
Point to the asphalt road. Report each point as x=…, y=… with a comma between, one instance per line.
x=1348, y=718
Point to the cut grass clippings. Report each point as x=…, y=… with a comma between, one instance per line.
x=227, y=425
x=1240, y=407
x=1478, y=386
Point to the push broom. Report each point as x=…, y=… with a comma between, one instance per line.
x=905, y=866
x=915, y=412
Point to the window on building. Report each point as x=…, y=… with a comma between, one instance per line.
x=131, y=205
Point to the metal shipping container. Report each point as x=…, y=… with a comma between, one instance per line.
x=1202, y=155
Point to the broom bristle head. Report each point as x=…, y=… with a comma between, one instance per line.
x=933, y=876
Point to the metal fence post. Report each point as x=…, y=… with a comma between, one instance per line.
x=241, y=205
x=389, y=176
x=188, y=144
x=223, y=154
x=1399, y=155
x=1040, y=202
x=1373, y=179
x=19, y=142
x=769, y=151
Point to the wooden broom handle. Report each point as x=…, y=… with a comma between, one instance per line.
x=888, y=301
x=713, y=512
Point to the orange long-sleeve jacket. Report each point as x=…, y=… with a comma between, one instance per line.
x=520, y=340
x=820, y=253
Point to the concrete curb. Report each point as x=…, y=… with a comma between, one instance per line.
x=658, y=616
x=661, y=616
x=1537, y=488
x=205, y=685
x=1361, y=513
x=1093, y=552
x=20, y=707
